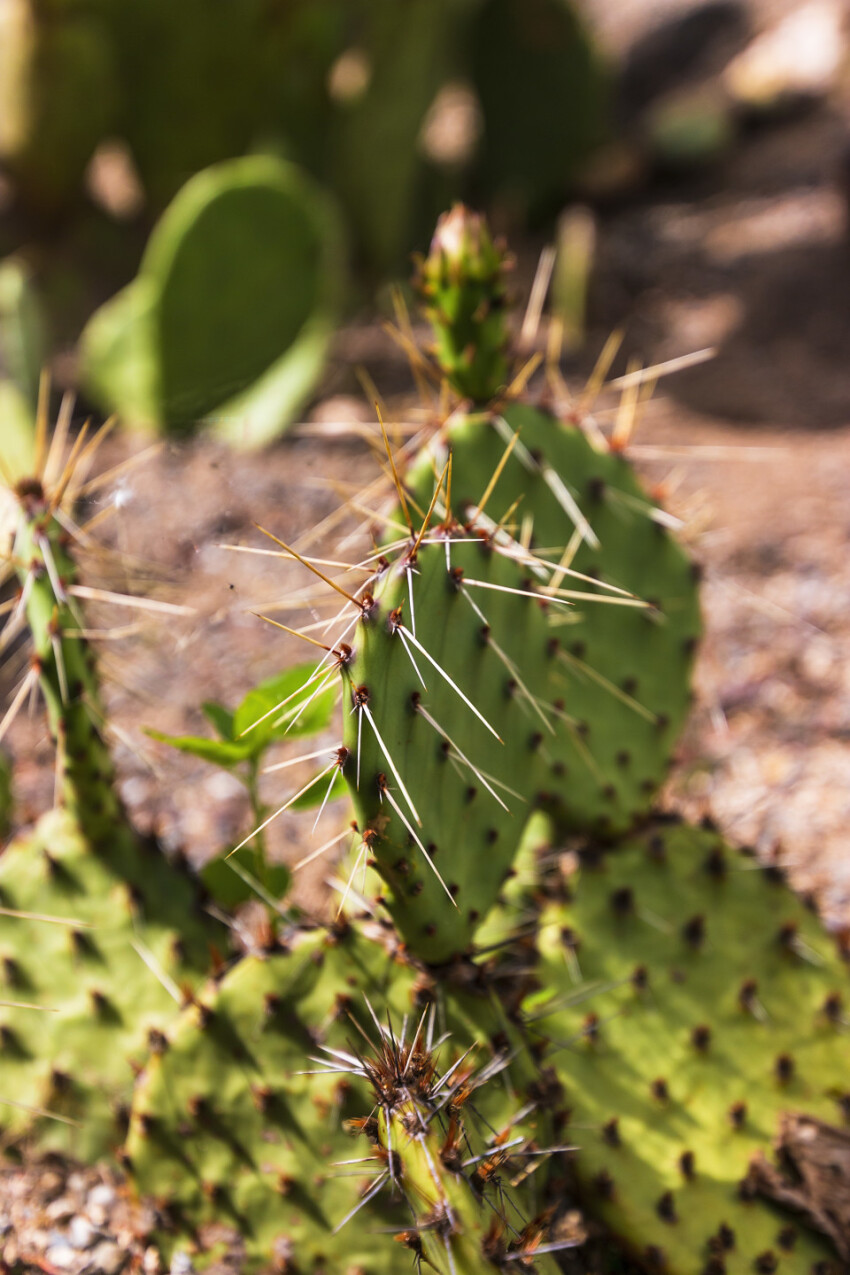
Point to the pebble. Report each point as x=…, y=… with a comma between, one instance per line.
x=181, y=1264
x=151, y=1261
x=108, y=1258
x=101, y=1196
x=51, y=1184
x=60, y=1210
x=81, y=1233
x=61, y=1255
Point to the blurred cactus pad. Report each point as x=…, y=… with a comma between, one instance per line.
x=230, y=314
x=344, y=88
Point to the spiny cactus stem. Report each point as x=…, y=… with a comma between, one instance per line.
x=63, y=660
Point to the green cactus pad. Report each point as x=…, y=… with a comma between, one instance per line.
x=107, y=943
x=230, y=1125
x=238, y=280
x=716, y=1005
x=623, y=672
x=467, y=769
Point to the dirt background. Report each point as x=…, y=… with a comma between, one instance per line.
x=750, y=255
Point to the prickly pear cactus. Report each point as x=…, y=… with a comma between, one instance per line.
x=232, y=308
x=446, y=736
x=623, y=646
x=102, y=934
x=695, y=1002
x=240, y=1115
x=461, y=284
x=64, y=664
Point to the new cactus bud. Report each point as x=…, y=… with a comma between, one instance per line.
x=462, y=287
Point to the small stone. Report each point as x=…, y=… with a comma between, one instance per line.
x=81, y=1233
x=108, y=1258
x=52, y=1184
x=181, y=1264
x=102, y=1195
x=60, y=1210
x=151, y=1262
x=62, y=1256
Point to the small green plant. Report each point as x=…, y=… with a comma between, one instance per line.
x=280, y=707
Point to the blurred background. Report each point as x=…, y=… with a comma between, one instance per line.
x=207, y=215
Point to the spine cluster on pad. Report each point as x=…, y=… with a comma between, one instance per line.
x=468, y=1215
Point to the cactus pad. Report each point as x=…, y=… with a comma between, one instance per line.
x=244, y=267
x=695, y=1001
x=446, y=736
x=233, y=1122
x=622, y=671
x=102, y=941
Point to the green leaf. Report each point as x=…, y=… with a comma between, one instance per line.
x=220, y=717
x=259, y=705
x=226, y=883
x=315, y=794
x=220, y=752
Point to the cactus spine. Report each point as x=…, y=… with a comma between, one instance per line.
x=457, y=1187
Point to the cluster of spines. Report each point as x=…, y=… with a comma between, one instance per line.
x=468, y=1211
